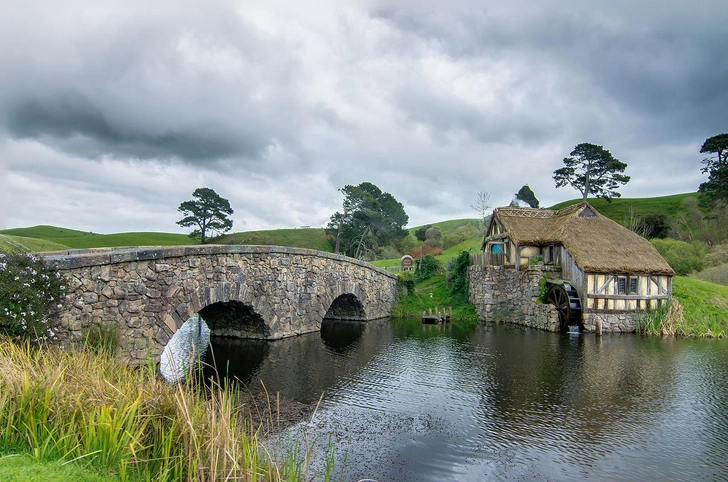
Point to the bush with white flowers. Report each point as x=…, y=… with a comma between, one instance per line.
x=30, y=297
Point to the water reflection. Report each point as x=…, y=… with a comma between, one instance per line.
x=411, y=402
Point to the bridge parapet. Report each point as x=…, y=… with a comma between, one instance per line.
x=266, y=292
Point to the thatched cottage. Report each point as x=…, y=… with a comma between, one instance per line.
x=615, y=272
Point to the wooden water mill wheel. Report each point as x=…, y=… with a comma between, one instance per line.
x=566, y=300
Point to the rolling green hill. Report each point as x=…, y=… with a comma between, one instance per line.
x=311, y=238
x=50, y=238
x=619, y=208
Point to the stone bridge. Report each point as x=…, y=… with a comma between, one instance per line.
x=264, y=292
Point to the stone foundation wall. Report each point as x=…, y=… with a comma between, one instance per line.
x=505, y=294
x=612, y=322
x=150, y=292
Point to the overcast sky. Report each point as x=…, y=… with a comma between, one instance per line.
x=112, y=113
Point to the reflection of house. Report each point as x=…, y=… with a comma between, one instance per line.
x=615, y=271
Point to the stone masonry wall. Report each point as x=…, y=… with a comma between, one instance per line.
x=612, y=322
x=505, y=294
x=150, y=292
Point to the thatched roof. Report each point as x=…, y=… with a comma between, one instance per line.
x=597, y=244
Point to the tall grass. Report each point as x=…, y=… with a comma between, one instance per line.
x=698, y=309
x=89, y=408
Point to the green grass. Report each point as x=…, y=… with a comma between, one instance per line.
x=618, y=209
x=58, y=405
x=24, y=468
x=311, y=238
x=705, y=307
x=433, y=294
x=49, y=238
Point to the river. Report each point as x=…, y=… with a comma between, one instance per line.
x=407, y=402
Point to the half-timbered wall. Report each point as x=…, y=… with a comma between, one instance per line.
x=625, y=292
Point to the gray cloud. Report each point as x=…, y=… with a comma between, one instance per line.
x=118, y=111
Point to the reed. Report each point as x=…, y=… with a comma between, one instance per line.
x=88, y=408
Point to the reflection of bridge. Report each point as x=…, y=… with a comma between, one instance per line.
x=264, y=292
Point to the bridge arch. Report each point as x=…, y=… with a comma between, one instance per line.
x=279, y=291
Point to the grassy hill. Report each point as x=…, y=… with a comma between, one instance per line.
x=619, y=209
x=311, y=238
x=50, y=238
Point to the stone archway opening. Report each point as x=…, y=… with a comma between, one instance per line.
x=234, y=319
x=346, y=307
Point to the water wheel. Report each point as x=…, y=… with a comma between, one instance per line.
x=566, y=300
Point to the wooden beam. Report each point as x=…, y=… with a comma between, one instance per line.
x=626, y=297
x=606, y=283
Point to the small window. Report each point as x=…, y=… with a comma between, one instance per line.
x=621, y=286
x=633, y=286
x=627, y=282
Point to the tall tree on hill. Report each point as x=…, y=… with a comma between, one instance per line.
x=370, y=219
x=527, y=195
x=591, y=169
x=208, y=212
x=716, y=166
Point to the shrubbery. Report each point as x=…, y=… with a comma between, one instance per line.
x=684, y=258
x=30, y=297
x=457, y=275
x=427, y=268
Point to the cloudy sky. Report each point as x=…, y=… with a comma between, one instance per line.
x=112, y=113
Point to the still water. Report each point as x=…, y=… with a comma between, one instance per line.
x=407, y=402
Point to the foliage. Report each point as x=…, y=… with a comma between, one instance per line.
x=424, y=250
x=716, y=166
x=482, y=206
x=683, y=257
x=699, y=309
x=370, y=219
x=457, y=275
x=527, y=195
x=714, y=274
x=717, y=255
x=421, y=233
x=427, y=268
x=30, y=297
x=592, y=170
x=127, y=422
x=433, y=238
x=535, y=260
x=208, y=212
x=102, y=338
x=434, y=293
x=657, y=225
x=460, y=234
x=406, y=283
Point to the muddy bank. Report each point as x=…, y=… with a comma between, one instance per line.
x=272, y=413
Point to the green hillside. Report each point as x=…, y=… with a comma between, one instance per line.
x=618, y=209
x=49, y=238
x=311, y=238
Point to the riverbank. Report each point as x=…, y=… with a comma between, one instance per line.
x=434, y=294
x=115, y=422
x=701, y=311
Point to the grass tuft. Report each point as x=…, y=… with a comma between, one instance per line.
x=87, y=408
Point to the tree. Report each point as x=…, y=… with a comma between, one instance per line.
x=433, y=238
x=591, y=169
x=421, y=233
x=370, y=219
x=526, y=195
x=207, y=211
x=482, y=206
x=716, y=166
